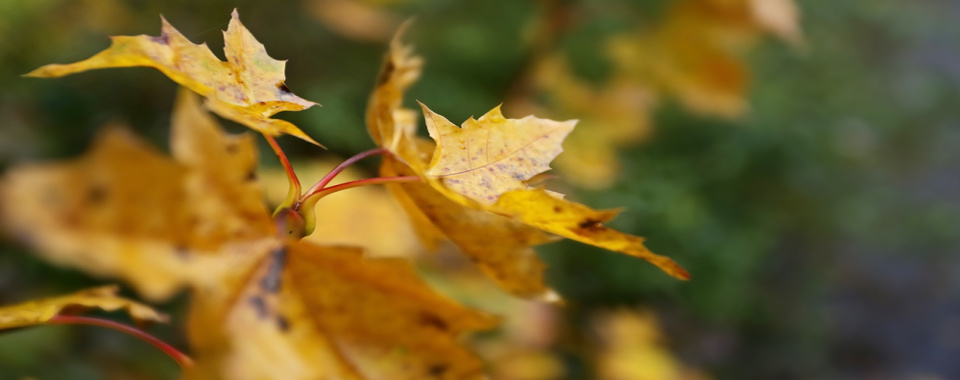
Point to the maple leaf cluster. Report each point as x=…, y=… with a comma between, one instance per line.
x=266, y=303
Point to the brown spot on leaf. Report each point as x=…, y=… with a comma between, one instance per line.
x=162, y=39
x=283, y=88
x=251, y=175
x=431, y=320
x=437, y=370
x=260, y=306
x=270, y=282
x=591, y=224
x=97, y=195
x=283, y=323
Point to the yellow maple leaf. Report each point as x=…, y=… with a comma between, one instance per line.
x=501, y=247
x=491, y=155
x=470, y=169
x=264, y=306
x=248, y=88
x=105, y=298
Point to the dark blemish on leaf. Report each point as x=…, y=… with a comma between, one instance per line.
x=283, y=88
x=386, y=73
x=431, y=320
x=557, y=209
x=260, y=306
x=182, y=251
x=232, y=148
x=162, y=39
x=283, y=323
x=271, y=281
x=591, y=224
x=251, y=175
x=437, y=370
x=97, y=195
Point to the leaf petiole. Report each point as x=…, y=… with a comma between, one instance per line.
x=293, y=194
x=182, y=359
x=343, y=165
x=307, y=205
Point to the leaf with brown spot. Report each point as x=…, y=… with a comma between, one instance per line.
x=125, y=210
x=499, y=246
x=575, y=221
x=308, y=312
x=105, y=298
x=248, y=88
x=264, y=306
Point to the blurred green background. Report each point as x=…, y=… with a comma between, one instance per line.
x=821, y=229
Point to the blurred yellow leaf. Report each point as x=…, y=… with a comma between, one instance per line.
x=104, y=298
x=630, y=349
x=696, y=54
x=248, y=88
x=308, y=312
x=126, y=211
x=359, y=20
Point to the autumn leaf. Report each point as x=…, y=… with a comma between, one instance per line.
x=105, y=298
x=630, y=348
x=504, y=184
x=492, y=155
x=501, y=247
x=264, y=306
x=468, y=169
x=696, y=55
x=308, y=312
x=125, y=210
x=248, y=88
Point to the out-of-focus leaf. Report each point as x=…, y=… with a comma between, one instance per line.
x=126, y=211
x=308, y=312
x=40, y=311
x=630, y=349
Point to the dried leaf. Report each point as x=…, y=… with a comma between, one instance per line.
x=492, y=155
x=126, y=211
x=538, y=208
x=500, y=247
x=248, y=88
x=469, y=169
x=105, y=298
x=264, y=307
x=310, y=312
